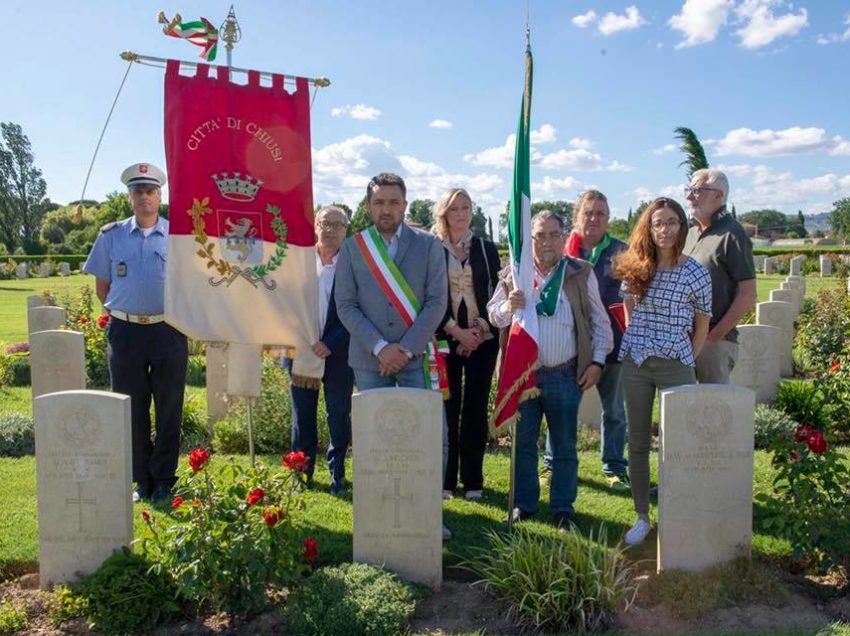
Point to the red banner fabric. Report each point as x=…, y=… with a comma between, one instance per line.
x=241, y=264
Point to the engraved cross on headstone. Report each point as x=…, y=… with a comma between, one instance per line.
x=80, y=501
x=396, y=497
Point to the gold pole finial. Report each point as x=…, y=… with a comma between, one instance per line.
x=230, y=32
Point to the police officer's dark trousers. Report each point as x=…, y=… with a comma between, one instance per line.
x=149, y=361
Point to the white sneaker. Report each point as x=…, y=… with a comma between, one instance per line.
x=473, y=495
x=448, y=494
x=637, y=533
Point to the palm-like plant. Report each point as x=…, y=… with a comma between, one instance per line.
x=695, y=158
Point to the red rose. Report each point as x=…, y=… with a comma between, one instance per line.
x=177, y=502
x=311, y=549
x=801, y=434
x=271, y=516
x=295, y=460
x=84, y=319
x=197, y=458
x=816, y=442
x=254, y=495
x=102, y=320
x=793, y=456
x=146, y=516
x=834, y=365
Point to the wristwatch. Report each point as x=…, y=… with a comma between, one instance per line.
x=601, y=365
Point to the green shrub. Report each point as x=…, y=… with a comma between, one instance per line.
x=124, y=596
x=350, y=600
x=12, y=618
x=66, y=604
x=17, y=435
x=769, y=423
x=15, y=369
x=823, y=329
x=196, y=371
x=555, y=583
x=193, y=428
x=802, y=402
x=272, y=417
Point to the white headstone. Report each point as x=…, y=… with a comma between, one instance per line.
x=57, y=361
x=217, y=403
x=397, y=492
x=758, y=261
x=801, y=280
x=825, y=266
x=757, y=367
x=83, y=465
x=37, y=300
x=781, y=315
x=21, y=270
x=770, y=265
x=705, y=476
x=797, y=265
x=45, y=318
x=244, y=369
x=798, y=292
x=590, y=409
x=44, y=269
x=64, y=268
x=785, y=296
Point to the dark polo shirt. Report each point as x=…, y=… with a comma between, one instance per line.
x=727, y=253
x=609, y=289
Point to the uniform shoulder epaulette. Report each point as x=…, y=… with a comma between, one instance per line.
x=108, y=226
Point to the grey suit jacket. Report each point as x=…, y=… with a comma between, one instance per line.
x=367, y=312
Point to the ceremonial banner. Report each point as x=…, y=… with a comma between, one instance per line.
x=241, y=256
x=517, y=381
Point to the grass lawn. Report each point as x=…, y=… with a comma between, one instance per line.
x=764, y=284
x=13, y=300
x=330, y=519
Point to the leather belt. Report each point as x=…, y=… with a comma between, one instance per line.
x=138, y=318
x=561, y=367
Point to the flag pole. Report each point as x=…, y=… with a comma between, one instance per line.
x=230, y=33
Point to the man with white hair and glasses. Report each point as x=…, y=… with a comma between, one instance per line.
x=718, y=242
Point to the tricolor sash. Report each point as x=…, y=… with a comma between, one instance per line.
x=405, y=302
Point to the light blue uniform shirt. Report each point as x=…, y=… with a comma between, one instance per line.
x=133, y=264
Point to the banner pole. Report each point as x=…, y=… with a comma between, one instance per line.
x=512, y=481
x=231, y=34
x=131, y=56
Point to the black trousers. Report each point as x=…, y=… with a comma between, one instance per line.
x=149, y=362
x=466, y=413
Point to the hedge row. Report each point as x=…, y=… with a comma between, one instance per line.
x=74, y=260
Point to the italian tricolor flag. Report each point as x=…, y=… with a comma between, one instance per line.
x=516, y=376
x=199, y=32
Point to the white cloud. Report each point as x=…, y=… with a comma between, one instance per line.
x=616, y=166
x=581, y=160
x=342, y=170
x=553, y=188
x=643, y=193
x=440, y=123
x=761, y=26
x=830, y=38
x=700, y=20
x=612, y=23
x=790, y=141
x=585, y=19
x=580, y=142
x=811, y=194
x=357, y=111
x=543, y=135
x=663, y=150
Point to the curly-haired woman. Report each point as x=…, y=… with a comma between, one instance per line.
x=667, y=298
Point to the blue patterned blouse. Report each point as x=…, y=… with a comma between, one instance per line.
x=662, y=322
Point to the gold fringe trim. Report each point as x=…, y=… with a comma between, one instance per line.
x=525, y=395
x=304, y=382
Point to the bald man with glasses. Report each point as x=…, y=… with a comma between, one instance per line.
x=718, y=242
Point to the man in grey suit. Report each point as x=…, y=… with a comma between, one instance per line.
x=384, y=350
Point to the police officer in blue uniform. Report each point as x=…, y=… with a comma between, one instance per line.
x=147, y=357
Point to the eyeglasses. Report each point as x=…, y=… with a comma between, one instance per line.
x=697, y=190
x=551, y=236
x=331, y=225
x=672, y=224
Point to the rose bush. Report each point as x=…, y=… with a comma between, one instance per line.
x=810, y=498
x=80, y=316
x=236, y=542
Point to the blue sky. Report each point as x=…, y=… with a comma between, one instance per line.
x=431, y=90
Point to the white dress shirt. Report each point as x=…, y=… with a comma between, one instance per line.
x=325, y=274
x=557, y=335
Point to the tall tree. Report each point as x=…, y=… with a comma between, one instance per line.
x=361, y=219
x=839, y=218
x=562, y=208
x=421, y=211
x=695, y=158
x=478, y=223
x=22, y=188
